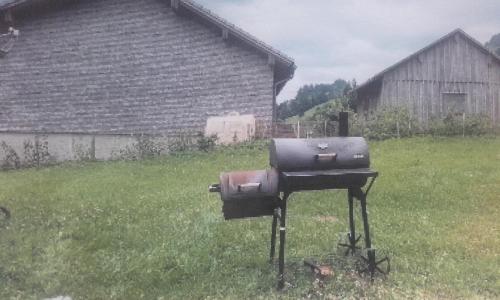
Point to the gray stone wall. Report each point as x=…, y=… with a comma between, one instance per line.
x=123, y=67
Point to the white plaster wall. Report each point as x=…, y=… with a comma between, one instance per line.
x=109, y=146
x=231, y=129
x=67, y=147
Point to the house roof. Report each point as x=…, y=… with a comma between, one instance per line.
x=284, y=65
x=236, y=31
x=5, y=4
x=449, y=35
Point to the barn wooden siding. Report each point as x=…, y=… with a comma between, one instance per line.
x=454, y=65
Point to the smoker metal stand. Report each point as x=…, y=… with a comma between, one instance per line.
x=353, y=193
x=370, y=260
x=279, y=213
x=352, y=239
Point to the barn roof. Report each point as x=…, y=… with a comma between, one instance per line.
x=449, y=35
x=8, y=3
x=284, y=65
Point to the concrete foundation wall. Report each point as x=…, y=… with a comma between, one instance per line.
x=71, y=147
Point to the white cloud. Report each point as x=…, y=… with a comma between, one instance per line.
x=332, y=39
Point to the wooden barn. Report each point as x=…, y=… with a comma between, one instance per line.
x=455, y=74
x=92, y=76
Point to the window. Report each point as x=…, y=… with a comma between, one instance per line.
x=454, y=103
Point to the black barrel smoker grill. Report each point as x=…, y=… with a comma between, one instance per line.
x=299, y=165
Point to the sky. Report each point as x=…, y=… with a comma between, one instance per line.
x=354, y=39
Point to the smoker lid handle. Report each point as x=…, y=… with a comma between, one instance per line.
x=246, y=187
x=325, y=157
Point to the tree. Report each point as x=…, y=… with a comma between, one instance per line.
x=494, y=44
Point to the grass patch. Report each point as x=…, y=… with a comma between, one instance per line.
x=150, y=230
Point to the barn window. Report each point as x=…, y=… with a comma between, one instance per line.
x=454, y=103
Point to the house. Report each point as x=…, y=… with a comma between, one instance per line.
x=455, y=74
x=96, y=74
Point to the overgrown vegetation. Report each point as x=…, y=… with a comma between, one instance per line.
x=145, y=147
x=150, y=230
x=394, y=122
x=206, y=143
x=390, y=122
x=398, y=123
x=469, y=125
x=11, y=158
x=189, y=141
x=36, y=153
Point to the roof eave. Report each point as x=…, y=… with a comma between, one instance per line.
x=282, y=60
x=12, y=4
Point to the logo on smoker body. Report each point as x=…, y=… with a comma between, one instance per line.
x=359, y=156
x=323, y=146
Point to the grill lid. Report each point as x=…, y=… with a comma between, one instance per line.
x=289, y=155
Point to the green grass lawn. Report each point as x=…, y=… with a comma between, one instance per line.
x=150, y=229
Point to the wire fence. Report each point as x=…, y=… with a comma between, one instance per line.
x=379, y=129
x=299, y=129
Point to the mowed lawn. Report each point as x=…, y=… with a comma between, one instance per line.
x=150, y=229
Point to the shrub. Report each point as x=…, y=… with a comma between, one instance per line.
x=453, y=125
x=145, y=147
x=11, y=160
x=390, y=122
x=206, y=143
x=36, y=153
x=183, y=142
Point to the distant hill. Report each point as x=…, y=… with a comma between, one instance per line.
x=310, y=96
x=494, y=44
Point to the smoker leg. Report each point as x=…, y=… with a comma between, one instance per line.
x=364, y=213
x=273, y=235
x=370, y=260
x=373, y=264
x=281, y=276
x=351, y=247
